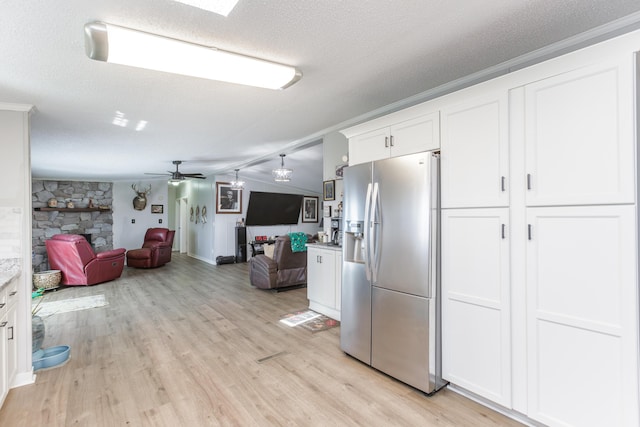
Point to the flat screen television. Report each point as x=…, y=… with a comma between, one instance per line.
x=273, y=208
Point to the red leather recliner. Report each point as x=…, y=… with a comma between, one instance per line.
x=79, y=264
x=156, y=249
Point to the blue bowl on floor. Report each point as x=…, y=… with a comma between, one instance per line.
x=51, y=357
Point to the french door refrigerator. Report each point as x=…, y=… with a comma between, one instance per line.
x=390, y=314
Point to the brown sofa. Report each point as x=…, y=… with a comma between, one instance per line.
x=286, y=268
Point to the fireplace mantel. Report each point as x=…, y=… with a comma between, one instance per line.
x=73, y=209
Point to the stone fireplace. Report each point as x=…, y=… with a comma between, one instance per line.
x=95, y=224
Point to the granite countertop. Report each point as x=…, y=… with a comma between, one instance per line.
x=9, y=269
x=325, y=246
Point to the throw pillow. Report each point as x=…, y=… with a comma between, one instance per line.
x=268, y=250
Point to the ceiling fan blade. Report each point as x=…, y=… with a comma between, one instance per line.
x=151, y=173
x=192, y=174
x=197, y=177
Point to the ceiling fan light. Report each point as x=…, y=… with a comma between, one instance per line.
x=282, y=174
x=124, y=46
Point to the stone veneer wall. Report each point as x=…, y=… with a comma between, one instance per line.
x=47, y=223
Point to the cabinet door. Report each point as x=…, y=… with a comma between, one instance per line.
x=579, y=137
x=581, y=316
x=321, y=277
x=475, y=157
x=416, y=135
x=369, y=146
x=475, y=302
x=4, y=382
x=11, y=346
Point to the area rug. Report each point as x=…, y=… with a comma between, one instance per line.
x=309, y=320
x=67, y=305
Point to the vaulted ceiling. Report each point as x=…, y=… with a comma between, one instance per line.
x=357, y=57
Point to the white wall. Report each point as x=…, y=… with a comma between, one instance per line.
x=216, y=236
x=201, y=234
x=335, y=145
x=130, y=235
x=225, y=224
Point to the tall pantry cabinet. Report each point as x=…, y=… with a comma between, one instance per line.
x=581, y=278
x=475, y=245
x=539, y=251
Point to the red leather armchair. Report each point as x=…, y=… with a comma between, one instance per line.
x=155, y=251
x=79, y=264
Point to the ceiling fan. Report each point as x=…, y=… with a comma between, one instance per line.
x=179, y=176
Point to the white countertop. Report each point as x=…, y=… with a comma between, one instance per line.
x=330, y=246
x=9, y=269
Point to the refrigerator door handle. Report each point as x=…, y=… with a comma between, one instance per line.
x=373, y=235
x=367, y=235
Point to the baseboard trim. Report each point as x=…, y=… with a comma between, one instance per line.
x=514, y=415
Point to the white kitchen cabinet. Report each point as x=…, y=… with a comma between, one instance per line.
x=407, y=136
x=579, y=137
x=475, y=154
x=8, y=348
x=582, y=316
x=324, y=279
x=476, y=341
x=370, y=146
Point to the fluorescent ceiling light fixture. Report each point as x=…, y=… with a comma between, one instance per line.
x=221, y=7
x=119, y=45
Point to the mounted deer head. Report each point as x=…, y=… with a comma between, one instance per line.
x=140, y=201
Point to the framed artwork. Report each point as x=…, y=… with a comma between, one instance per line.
x=309, y=209
x=329, y=190
x=327, y=211
x=157, y=209
x=228, y=200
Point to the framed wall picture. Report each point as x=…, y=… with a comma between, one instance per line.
x=157, y=209
x=309, y=209
x=329, y=190
x=327, y=211
x=228, y=200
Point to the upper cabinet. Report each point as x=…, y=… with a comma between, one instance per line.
x=579, y=137
x=394, y=135
x=475, y=152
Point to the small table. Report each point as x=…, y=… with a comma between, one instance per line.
x=257, y=246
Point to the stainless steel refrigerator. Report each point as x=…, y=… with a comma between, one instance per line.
x=390, y=309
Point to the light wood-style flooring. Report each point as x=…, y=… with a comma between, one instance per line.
x=193, y=344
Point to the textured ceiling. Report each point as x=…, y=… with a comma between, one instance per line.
x=356, y=57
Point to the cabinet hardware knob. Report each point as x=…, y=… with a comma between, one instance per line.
x=504, y=233
x=529, y=231
x=3, y=324
x=11, y=332
x=13, y=293
x=503, y=183
x=2, y=304
x=528, y=181
x=391, y=140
